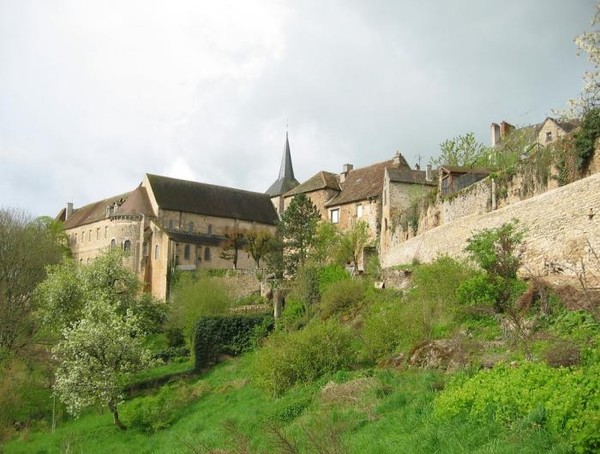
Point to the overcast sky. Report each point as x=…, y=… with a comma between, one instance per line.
x=96, y=93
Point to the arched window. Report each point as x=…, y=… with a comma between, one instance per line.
x=207, y=254
x=210, y=229
x=156, y=252
x=127, y=246
x=191, y=227
x=186, y=252
x=113, y=243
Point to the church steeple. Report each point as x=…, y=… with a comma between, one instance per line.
x=286, y=180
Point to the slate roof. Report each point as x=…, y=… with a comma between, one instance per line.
x=193, y=238
x=411, y=176
x=322, y=180
x=134, y=203
x=362, y=183
x=211, y=200
x=286, y=179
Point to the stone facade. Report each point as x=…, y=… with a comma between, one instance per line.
x=563, y=228
x=167, y=225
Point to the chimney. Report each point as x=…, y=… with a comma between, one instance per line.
x=397, y=159
x=345, y=171
x=428, y=173
x=505, y=128
x=69, y=210
x=495, y=127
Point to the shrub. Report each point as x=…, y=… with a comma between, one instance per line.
x=305, y=288
x=196, y=296
x=302, y=356
x=342, y=295
x=568, y=399
x=229, y=335
x=153, y=413
x=330, y=274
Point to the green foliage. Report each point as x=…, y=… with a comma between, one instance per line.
x=302, y=356
x=235, y=241
x=566, y=401
x=297, y=229
x=230, y=335
x=196, y=296
x=498, y=252
x=27, y=246
x=305, y=288
x=330, y=274
x=585, y=138
x=153, y=413
x=96, y=355
x=341, y=296
x=353, y=241
x=463, y=150
x=326, y=244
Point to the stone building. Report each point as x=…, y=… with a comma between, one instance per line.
x=167, y=224
x=350, y=196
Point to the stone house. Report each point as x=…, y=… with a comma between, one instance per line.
x=167, y=224
x=351, y=196
x=402, y=188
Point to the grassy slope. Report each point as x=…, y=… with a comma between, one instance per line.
x=376, y=412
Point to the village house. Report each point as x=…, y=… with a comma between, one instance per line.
x=167, y=224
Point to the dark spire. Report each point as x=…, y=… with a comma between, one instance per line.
x=286, y=180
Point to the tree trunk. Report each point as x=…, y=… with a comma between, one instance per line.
x=115, y=413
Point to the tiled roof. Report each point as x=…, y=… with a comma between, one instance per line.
x=362, y=183
x=286, y=179
x=322, y=180
x=132, y=203
x=412, y=176
x=219, y=201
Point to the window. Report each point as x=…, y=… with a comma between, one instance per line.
x=170, y=224
x=75, y=239
x=106, y=232
x=359, y=211
x=549, y=136
x=127, y=246
x=334, y=216
x=207, y=254
x=186, y=252
x=210, y=229
x=113, y=243
x=82, y=235
x=98, y=233
x=156, y=252
x=90, y=236
x=191, y=227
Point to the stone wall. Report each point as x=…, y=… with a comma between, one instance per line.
x=563, y=227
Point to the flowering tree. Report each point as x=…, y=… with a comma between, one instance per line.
x=589, y=43
x=96, y=355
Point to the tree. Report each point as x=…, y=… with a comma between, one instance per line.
x=498, y=252
x=96, y=355
x=27, y=246
x=460, y=151
x=233, y=244
x=63, y=295
x=588, y=42
x=354, y=241
x=298, y=227
x=327, y=244
x=258, y=244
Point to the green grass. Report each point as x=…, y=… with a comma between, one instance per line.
x=368, y=411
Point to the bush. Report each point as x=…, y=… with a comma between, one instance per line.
x=330, y=274
x=153, y=413
x=340, y=296
x=302, y=356
x=196, y=296
x=230, y=335
x=569, y=400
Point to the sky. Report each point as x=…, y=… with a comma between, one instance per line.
x=96, y=93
